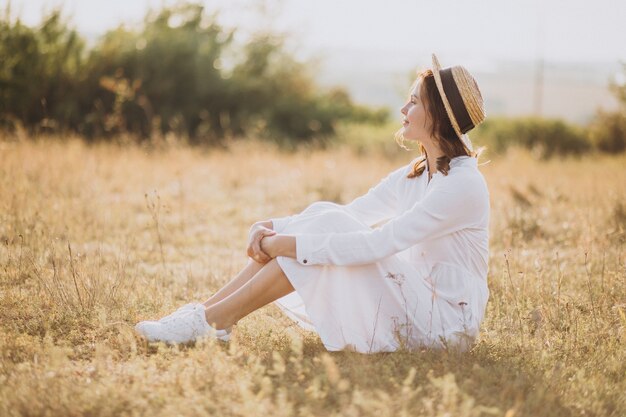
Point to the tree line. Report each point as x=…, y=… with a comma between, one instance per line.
x=181, y=72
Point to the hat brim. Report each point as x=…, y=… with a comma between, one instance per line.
x=462, y=137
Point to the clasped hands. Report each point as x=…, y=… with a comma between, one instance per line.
x=260, y=249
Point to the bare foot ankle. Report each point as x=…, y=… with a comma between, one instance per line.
x=216, y=321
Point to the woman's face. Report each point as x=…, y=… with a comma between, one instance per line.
x=416, y=122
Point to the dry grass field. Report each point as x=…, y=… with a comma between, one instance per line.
x=96, y=238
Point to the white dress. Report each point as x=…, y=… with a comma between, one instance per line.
x=419, y=280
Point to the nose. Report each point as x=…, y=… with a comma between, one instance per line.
x=403, y=110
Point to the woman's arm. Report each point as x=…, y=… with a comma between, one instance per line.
x=452, y=204
x=380, y=202
x=279, y=245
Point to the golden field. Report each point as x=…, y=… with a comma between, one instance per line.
x=96, y=238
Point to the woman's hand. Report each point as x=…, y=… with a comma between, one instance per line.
x=268, y=245
x=257, y=233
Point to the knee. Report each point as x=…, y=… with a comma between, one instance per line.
x=321, y=206
x=324, y=217
x=336, y=220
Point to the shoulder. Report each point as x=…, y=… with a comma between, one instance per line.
x=465, y=179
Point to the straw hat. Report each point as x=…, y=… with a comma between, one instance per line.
x=461, y=98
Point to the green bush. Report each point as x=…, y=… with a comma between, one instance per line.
x=40, y=73
x=546, y=137
x=181, y=73
x=162, y=77
x=608, y=132
x=608, y=129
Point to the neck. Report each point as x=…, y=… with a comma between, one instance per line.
x=432, y=153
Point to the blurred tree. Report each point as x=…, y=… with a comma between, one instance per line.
x=619, y=88
x=171, y=66
x=180, y=72
x=39, y=72
x=546, y=137
x=608, y=129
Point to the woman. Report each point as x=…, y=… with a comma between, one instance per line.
x=419, y=280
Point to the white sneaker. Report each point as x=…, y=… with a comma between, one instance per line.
x=186, y=307
x=223, y=335
x=185, y=326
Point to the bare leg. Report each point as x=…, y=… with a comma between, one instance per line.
x=267, y=285
x=234, y=284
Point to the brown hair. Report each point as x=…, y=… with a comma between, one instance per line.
x=441, y=130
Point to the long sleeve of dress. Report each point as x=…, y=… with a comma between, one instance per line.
x=378, y=204
x=452, y=203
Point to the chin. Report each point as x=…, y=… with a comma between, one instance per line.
x=410, y=138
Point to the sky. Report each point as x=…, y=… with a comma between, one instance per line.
x=482, y=30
